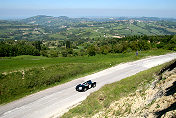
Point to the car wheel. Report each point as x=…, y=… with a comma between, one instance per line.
x=85, y=89
x=94, y=85
x=89, y=86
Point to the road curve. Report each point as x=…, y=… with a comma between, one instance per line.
x=55, y=101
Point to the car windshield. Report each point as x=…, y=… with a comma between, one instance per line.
x=84, y=83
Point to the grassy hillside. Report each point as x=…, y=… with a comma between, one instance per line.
x=101, y=99
x=24, y=75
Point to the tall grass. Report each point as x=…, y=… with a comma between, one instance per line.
x=18, y=84
x=23, y=75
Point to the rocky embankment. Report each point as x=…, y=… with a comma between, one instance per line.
x=156, y=100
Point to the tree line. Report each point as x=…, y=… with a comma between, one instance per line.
x=89, y=47
x=132, y=43
x=14, y=48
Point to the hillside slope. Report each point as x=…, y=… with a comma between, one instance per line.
x=158, y=100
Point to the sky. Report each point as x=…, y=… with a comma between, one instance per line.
x=86, y=8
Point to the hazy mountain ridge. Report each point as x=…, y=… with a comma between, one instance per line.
x=41, y=19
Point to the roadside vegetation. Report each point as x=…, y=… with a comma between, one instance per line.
x=24, y=75
x=103, y=98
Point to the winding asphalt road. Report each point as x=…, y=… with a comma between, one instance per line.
x=55, y=101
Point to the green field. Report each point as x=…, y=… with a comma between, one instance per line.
x=24, y=75
x=9, y=64
x=57, y=36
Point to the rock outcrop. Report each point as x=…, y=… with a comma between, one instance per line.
x=157, y=100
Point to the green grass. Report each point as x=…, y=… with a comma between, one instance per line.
x=57, y=36
x=102, y=98
x=16, y=85
x=26, y=62
x=41, y=72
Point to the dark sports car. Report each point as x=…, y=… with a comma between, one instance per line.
x=85, y=86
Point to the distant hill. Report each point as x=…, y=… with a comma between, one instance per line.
x=47, y=20
x=61, y=20
x=43, y=27
x=53, y=21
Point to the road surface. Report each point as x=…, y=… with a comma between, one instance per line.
x=55, y=101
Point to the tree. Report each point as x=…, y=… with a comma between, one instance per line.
x=172, y=44
x=44, y=53
x=144, y=45
x=70, y=51
x=68, y=44
x=105, y=49
x=64, y=53
x=134, y=45
x=118, y=48
x=91, y=50
x=37, y=45
x=36, y=52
